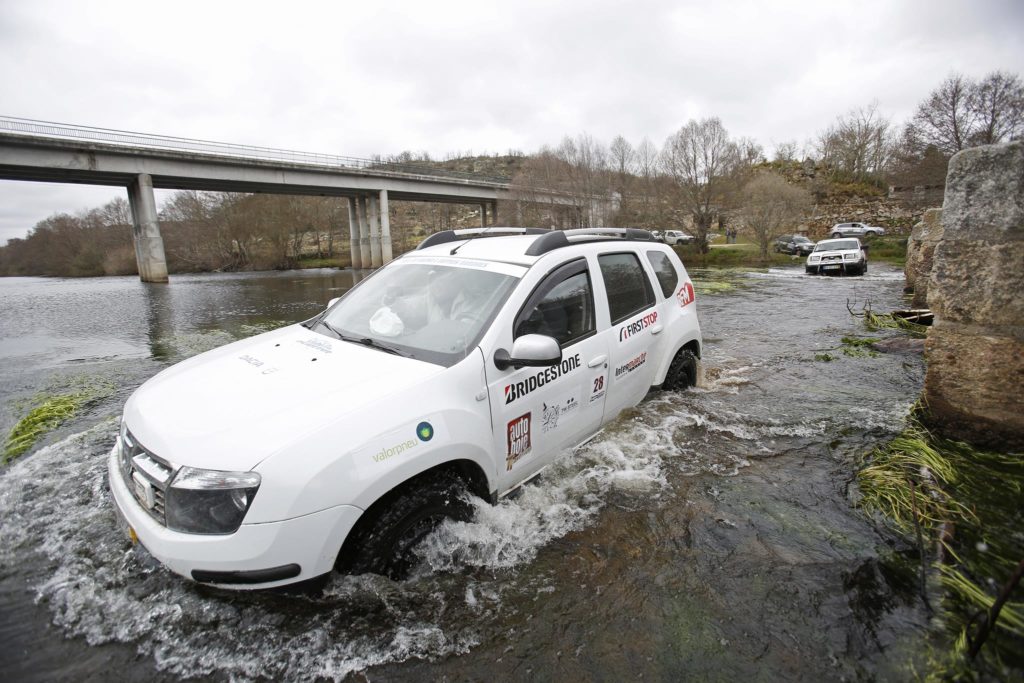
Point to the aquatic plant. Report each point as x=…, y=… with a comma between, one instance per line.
x=49, y=411
x=967, y=501
x=886, y=321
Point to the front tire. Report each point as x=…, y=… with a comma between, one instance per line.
x=837, y=234
x=682, y=373
x=384, y=544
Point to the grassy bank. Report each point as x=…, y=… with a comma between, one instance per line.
x=740, y=255
x=961, y=507
x=889, y=249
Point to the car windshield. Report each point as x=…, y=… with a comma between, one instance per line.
x=801, y=239
x=424, y=310
x=836, y=245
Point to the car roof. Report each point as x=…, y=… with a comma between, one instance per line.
x=514, y=248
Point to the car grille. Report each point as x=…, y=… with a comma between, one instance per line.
x=146, y=476
x=832, y=259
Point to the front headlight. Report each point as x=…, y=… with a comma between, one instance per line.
x=209, y=501
x=851, y=257
x=815, y=259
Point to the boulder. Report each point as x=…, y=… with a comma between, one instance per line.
x=975, y=349
x=925, y=236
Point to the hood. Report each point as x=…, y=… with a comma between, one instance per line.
x=232, y=407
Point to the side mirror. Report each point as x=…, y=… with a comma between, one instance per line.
x=333, y=301
x=531, y=351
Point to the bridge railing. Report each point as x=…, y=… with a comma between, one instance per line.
x=148, y=141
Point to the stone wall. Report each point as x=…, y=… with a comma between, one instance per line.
x=925, y=236
x=974, y=386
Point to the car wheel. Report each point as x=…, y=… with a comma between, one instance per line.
x=810, y=271
x=837, y=234
x=384, y=544
x=682, y=373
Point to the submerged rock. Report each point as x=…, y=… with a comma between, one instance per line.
x=899, y=345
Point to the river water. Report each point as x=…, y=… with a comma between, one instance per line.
x=711, y=534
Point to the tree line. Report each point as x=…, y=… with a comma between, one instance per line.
x=700, y=179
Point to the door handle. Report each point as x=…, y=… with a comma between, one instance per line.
x=656, y=329
x=597, y=361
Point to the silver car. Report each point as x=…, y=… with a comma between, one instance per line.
x=856, y=230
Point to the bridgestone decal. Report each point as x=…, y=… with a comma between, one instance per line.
x=517, y=390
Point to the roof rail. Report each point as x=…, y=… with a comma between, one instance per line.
x=560, y=238
x=446, y=236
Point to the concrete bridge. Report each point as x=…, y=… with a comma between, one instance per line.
x=51, y=152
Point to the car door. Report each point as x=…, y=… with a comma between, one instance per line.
x=633, y=333
x=539, y=412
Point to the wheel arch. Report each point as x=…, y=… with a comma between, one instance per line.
x=470, y=472
x=693, y=344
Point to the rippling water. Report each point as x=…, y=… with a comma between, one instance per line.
x=705, y=534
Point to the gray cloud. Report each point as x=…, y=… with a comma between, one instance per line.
x=365, y=78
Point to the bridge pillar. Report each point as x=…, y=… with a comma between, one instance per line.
x=353, y=234
x=364, y=233
x=483, y=215
x=385, y=228
x=149, y=246
x=374, y=217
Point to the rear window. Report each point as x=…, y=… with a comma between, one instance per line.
x=666, y=273
x=629, y=289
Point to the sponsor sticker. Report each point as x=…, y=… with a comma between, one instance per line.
x=318, y=344
x=558, y=412
x=389, y=452
x=631, y=365
x=685, y=294
x=597, y=388
x=637, y=326
x=518, y=439
x=425, y=431
x=516, y=390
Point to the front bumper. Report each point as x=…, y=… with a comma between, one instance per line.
x=835, y=268
x=255, y=556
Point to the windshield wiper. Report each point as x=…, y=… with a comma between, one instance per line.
x=365, y=341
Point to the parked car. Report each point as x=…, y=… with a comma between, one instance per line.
x=793, y=244
x=464, y=367
x=856, y=230
x=677, y=237
x=844, y=256
x=656, y=234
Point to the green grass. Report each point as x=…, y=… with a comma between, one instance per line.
x=888, y=249
x=966, y=503
x=742, y=254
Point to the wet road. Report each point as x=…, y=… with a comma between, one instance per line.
x=710, y=534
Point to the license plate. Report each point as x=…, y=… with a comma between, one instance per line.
x=830, y=267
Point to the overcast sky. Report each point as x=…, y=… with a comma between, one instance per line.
x=379, y=78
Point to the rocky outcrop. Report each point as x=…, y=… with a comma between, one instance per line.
x=925, y=236
x=975, y=349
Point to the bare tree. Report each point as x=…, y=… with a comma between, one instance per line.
x=768, y=203
x=947, y=118
x=998, y=105
x=622, y=159
x=785, y=151
x=859, y=143
x=700, y=158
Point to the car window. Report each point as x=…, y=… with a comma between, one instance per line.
x=666, y=273
x=629, y=290
x=429, y=312
x=562, y=306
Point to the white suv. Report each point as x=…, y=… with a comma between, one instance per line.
x=842, y=256
x=467, y=365
x=856, y=230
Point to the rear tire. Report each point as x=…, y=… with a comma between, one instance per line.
x=682, y=373
x=837, y=234
x=385, y=542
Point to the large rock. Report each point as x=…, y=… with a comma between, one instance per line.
x=975, y=350
x=925, y=236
